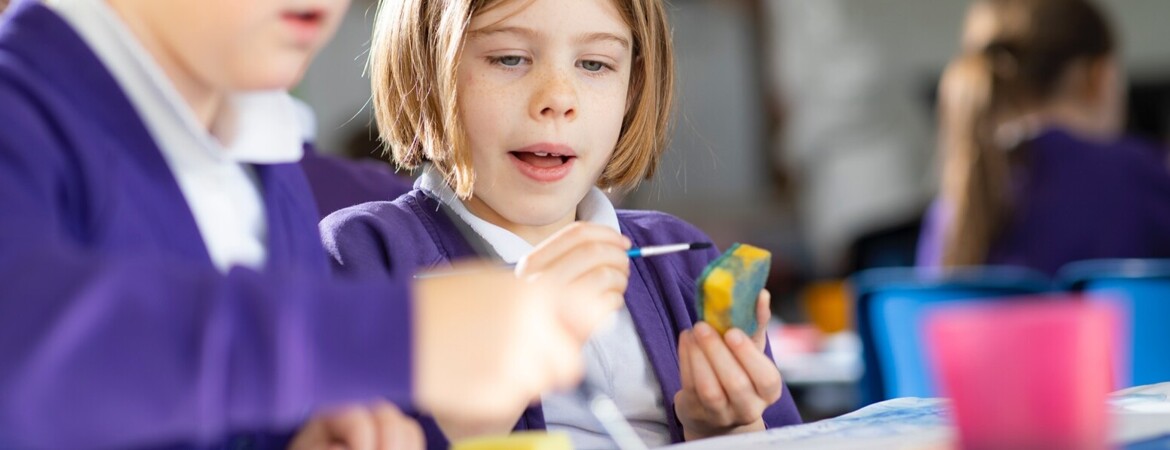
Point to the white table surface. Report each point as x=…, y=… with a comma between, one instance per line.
x=1140, y=413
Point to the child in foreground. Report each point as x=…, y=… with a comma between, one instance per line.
x=522, y=112
x=163, y=281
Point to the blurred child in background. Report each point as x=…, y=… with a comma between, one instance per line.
x=1036, y=172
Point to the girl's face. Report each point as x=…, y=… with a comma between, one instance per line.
x=233, y=45
x=542, y=89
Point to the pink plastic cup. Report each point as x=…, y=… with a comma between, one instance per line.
x=1029, y=373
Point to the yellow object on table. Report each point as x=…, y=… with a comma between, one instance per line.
x=829, y=305
x=523, y=440
x=730, y=286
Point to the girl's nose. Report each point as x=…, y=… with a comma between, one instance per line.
x=556, y=97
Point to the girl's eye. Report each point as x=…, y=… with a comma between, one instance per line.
x=509, y=61
x=593, y=66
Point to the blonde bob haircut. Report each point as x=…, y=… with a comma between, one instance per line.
x=413, y=57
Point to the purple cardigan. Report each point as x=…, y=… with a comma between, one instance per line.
x=415, y=232
x=1076, y=200
x=116, y=330
x=340, y=182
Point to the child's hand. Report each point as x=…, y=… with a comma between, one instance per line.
x=587, y=269
x=487, y=343
x=588, y=260
x=377, y=427
x=728, y=381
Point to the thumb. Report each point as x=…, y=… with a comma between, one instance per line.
x=763, y=316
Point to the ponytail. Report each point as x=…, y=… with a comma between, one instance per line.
x=975, y=168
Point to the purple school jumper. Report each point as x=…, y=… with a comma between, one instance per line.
x=1076, y=200
x=116, y=330
x=414, y=232
x=340, y=182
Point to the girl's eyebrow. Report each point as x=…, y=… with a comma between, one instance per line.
x=596, y=37
x=533, y=34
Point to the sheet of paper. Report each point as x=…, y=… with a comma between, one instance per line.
x=1140, y=414
x=903, y=423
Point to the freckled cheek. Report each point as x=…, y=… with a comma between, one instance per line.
x=485, y=120
x=470, y=101
x=606, y=110
x=483, y=111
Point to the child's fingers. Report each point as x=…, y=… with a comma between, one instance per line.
x=686, y=345
x=603, y=279
x=586, y=258
x=760, y=369
x=554, y=346
x=708, y=389
x=312, y=435
x=354, y=427
x=415, y=439
x=763, y=316
x=527, y=340
x=565, y=240
x=740, y=391
x=583, y=307
x=396, y=431
x=387, y=420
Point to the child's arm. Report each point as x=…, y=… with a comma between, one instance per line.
x=379, y=426
x=221, y=353
x=180, y=352
x=120, y=349
x=727, y=382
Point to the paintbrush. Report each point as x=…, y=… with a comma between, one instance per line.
x=636, y=252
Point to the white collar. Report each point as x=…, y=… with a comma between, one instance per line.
x=266, y=123
x=594, y=208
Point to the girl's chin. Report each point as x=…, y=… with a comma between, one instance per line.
x=542, y=222
x=538, y=212
x=541, y=219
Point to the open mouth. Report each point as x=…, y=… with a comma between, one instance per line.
x=306, y=25
x=542, y=159
x=307, y=17
x=544, y=163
